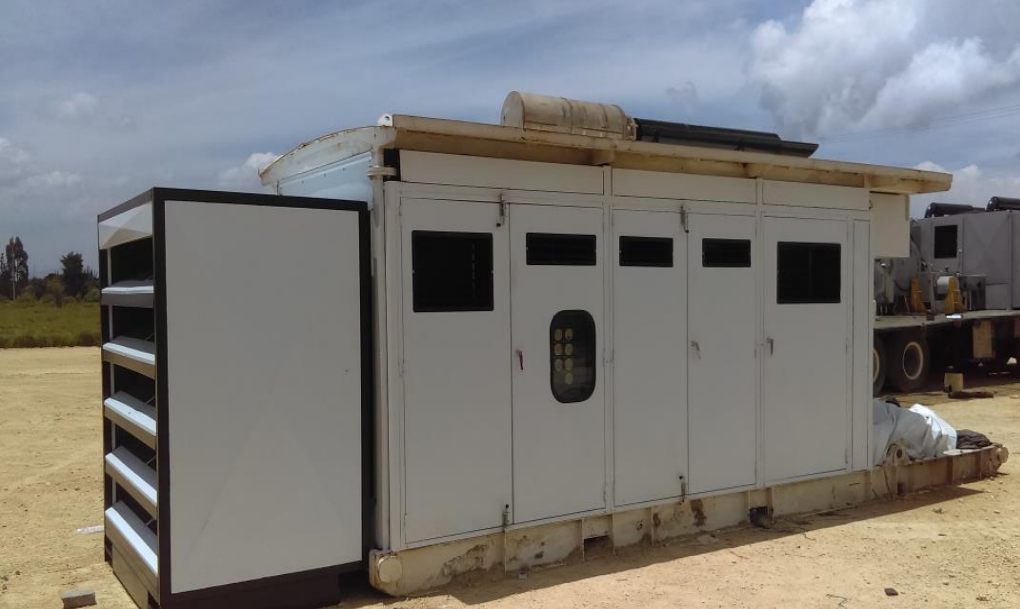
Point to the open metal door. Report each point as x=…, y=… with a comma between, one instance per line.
x=263, y=382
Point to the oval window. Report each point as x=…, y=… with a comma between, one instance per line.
x=572, y=356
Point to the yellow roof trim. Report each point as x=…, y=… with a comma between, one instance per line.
x=478, y=139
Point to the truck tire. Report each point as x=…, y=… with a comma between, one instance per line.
x=878, y=365
x=909, y=362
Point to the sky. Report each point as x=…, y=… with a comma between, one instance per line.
x=102, y=100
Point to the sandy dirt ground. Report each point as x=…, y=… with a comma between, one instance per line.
x=957, y=547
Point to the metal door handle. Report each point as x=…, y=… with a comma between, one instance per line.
x=696, y=347
x=771, y=345
x=520, y=359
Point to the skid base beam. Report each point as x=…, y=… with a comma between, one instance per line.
x=419, y=569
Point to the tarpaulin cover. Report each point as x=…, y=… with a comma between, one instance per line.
x=921, y=432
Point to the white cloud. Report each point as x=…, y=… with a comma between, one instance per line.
x=52, y=179
x=971, y=186
x=81, y=105
x=18, y=172
x=246, y=176
x=850, y=65
x=941, y=76
x=685, y=97
x=13, y=161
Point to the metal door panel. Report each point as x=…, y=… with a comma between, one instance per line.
x=649, y=361
x=457, y=410
x=928, y=226
x=260, y=401
x=1014, y=220
x=723, y=364
x=559, y=448
x=986, y=250
x=806, y=377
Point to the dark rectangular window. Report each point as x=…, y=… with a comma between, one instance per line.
x=451, y=271
x=946, y=241
x=726, y=253
x=646, y=251
x=808, y=273
x=560, y=250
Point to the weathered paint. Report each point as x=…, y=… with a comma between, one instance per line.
x=430, y=567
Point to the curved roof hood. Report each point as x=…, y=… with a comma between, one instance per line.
x=603, y=140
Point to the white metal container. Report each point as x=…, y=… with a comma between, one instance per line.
x=572, y=334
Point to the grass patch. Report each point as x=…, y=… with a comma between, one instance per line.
x=42, y=324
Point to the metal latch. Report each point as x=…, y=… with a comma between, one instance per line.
x=683, y=220
x=683, y=489
x=506, y=515
x=381, y=171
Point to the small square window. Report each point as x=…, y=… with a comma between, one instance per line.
x=646, y=251
x=560, y=250
x=726, y=253
x=946, y=241
x=808, y=273
x=451, y=271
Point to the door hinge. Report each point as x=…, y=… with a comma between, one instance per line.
x=506, y=515
x=683, y=489
x=502, y=210
x=683, y=220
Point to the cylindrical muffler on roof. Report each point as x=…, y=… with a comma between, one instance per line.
x=938, y=210
x=562, y=115
x=1000, y=203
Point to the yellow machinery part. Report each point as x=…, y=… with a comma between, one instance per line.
x=916, y=301
x=954, y=300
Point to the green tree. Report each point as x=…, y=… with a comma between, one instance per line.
x=54, y=289
x=73, y=274
x=14, y=268
x=5, y=277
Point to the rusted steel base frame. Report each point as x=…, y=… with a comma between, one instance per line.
x=518, y=549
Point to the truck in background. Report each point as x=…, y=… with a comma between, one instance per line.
x=954, y=301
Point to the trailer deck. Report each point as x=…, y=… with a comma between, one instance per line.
x=899, y=322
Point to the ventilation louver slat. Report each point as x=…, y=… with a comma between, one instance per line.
x=133, y=538
x=132, y=353
x=137, y=478
x=133, y=416
x=129, y=294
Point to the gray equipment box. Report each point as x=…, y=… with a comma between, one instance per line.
x=975, y=244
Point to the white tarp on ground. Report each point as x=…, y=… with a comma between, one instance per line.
x=921, y=432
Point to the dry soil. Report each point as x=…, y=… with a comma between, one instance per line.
x=957, y=547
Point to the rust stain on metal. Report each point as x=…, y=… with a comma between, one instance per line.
x=698, y=509
x=472, y=560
